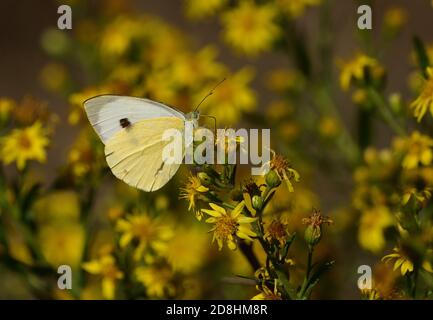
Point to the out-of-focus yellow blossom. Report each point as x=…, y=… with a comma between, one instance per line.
x=296, y=8
x=91, y=291
x=105, y=266
x=418, y=184
x=6, y=106
x=85, y=156
x=355, y=69
x=157, y=280
x=372, y=226
x=57, y=206
x=192, y=191
x=62, y=243
x=117, y=37
x=395, y=18
x=22, y=145
x=359, y=96
x=424, y=102
x=229, y=225
x=126, y=73
x=417, y=149
x=251, y=28
x=189, y=251
x=30, y=110
x=149, y=233
x=230, y=99
x=278, y=110
x=16, y=243
x=285, y=81
x=162, y=202
x=285, y=172
x=404, y=263
x=54, y=77
x=115, y=212
x=160, y=53
x=160, y=86
x=191, y=69
x=328, y=127
x=200, y=9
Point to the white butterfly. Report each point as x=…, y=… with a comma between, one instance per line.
x=132, y=131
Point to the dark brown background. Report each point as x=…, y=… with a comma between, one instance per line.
x=22, y=22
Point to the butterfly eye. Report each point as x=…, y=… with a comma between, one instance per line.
x=124, y=123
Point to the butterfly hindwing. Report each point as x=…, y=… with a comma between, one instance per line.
x=134, y=154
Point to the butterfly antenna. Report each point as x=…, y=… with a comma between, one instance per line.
x=209, y=94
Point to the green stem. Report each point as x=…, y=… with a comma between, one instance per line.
x=309, y=262
x=385, y=112
x=415, y=282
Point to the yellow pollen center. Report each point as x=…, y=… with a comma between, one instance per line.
x=225, y=226
x=24, y=141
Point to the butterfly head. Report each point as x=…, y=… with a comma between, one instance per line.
x=193, y=117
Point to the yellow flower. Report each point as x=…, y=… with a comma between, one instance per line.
x=188, y=252
x=149, y=233
x=157, y=280
x=57, y=206
x=417, y=150
x=267, y=294
x=85, y=156
x=372, y=226
x=283, y=81
x=418, y=184
x=296, y=8
x=191, y=69
x=22, y=145
x=201, y=9
x=229, y=225
x=250, y=28
x=355, y=69
x=279, y=110
x=6, y=106
x=31, y=110
x=230, y=99
x=395, y=18
x=424, y=102
x=329, y=127
x=54, y=77
x=62, y=243
x=402, y=261
x=106, y=267
x=17, y=245
x=192, y=191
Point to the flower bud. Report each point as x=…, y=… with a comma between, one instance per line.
x=312, y=235
x=257, y=202
x=272, y=179
x=204, y=178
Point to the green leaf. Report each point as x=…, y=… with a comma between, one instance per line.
x=421, y=55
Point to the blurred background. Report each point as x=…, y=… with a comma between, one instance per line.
x=41, y=65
